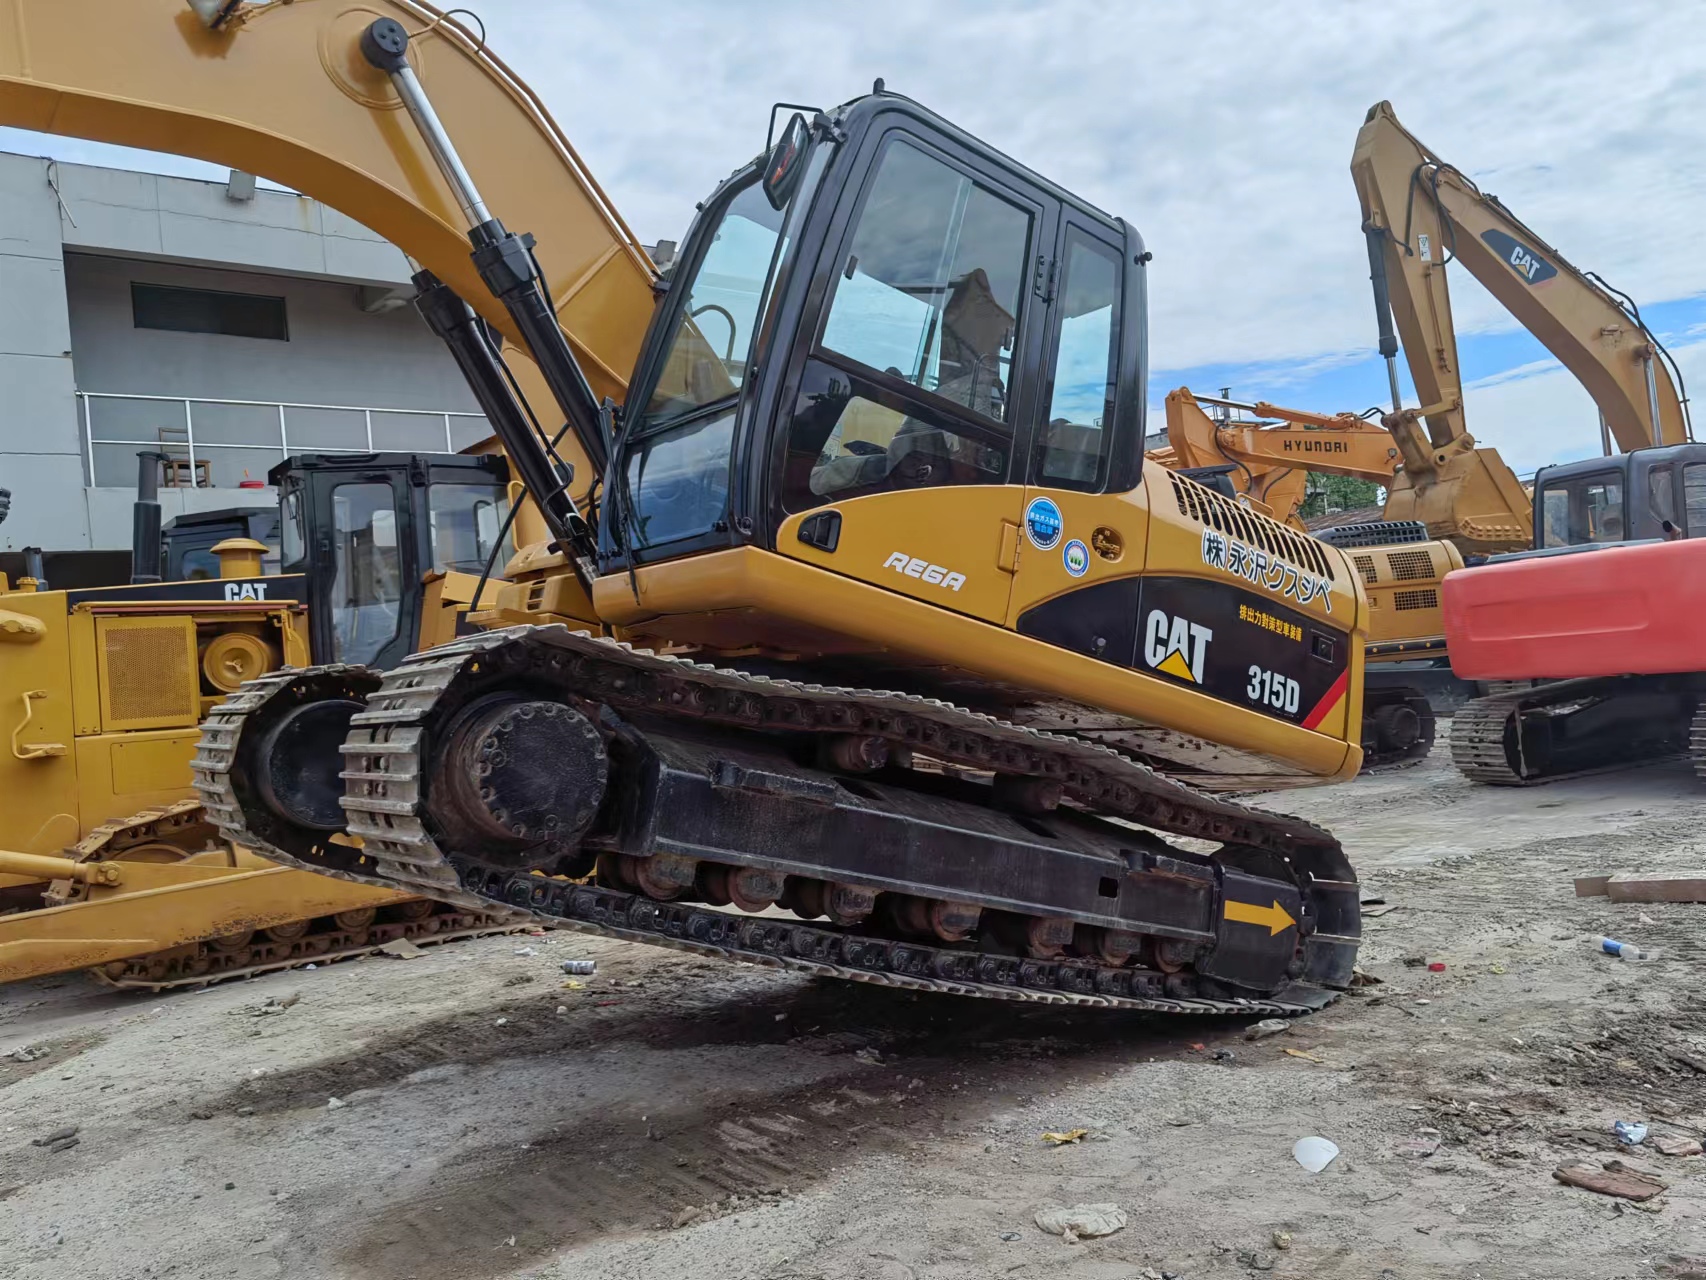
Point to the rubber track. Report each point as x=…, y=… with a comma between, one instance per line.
x=113, y=839
x=384, y=792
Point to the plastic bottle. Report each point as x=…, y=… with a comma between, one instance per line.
x=1625, y=950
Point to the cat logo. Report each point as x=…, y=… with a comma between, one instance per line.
x=245, y=591
x=1176, y=646
x=1526, y=262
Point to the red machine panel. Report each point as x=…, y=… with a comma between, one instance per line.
x=1637, y=609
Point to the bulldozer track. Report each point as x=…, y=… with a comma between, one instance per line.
x=384, y=800
x=264, y=957
x=201, y=963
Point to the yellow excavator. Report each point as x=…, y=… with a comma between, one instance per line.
x=1420, y=214
x=109, y=863
x=859, y=598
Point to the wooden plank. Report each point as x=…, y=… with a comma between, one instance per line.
x=1591, y=886
x=1631, y=888
x=1616, y=1179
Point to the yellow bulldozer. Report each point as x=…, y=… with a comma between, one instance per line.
x=108, y=862
x=854, y=597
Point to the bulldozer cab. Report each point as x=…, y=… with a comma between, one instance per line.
x=881, y=302
x=365, y=529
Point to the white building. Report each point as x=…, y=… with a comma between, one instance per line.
x=223, y=325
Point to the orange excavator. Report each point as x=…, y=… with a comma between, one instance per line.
x=1268, y=458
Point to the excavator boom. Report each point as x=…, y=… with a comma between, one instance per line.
x=151, y=74
x=1421, y=213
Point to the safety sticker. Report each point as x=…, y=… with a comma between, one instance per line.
x=1268, y=571
x=1076, y=557
x=1043, y=523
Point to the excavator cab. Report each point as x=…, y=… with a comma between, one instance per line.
x=1644, y=495
x=365, y=530
x=921, y=313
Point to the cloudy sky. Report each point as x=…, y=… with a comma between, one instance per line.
x=1222, y=130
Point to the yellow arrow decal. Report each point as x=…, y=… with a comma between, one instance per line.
x=1275, y=917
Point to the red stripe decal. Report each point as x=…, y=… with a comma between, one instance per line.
x=1329, y=700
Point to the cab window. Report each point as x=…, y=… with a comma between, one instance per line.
x=1072, y=448
x=916, y=385
x=677, y=467
x=1694, y=497
x=464, y=522
x=367, y=587
x=1583, y=509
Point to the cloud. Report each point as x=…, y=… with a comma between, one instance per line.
x=1222, y=130
x=1546, y=416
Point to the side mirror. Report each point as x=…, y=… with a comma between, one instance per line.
x=782, y=167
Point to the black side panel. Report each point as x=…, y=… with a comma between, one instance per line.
x=1232, y=644
x=1241, y=648
x=1099, y=620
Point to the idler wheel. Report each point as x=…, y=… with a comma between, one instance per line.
x=299, y=764
x=519, y=780
x=1397, y=727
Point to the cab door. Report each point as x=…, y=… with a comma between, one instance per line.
x=355, y=537
x=1085, y=518
x=898, y=457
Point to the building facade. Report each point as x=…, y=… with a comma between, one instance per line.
x=222, y=325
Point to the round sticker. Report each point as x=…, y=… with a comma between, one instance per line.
x=1076, y=557
x=1043, y=523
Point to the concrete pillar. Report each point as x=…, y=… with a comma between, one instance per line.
x=41, y=451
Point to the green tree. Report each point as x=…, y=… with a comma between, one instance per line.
x=1338, y=493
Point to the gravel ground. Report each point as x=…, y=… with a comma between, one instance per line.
x=676, y=1118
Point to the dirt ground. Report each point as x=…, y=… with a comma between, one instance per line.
x=681, y=1119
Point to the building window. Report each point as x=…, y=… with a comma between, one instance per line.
x=237, y=315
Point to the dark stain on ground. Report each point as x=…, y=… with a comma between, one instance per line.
x=918, y=1066
x=669, y=1014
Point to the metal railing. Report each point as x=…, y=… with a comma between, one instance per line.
x=191, y=448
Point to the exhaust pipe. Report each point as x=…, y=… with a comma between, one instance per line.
x=35, y=578
x=146, y=547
